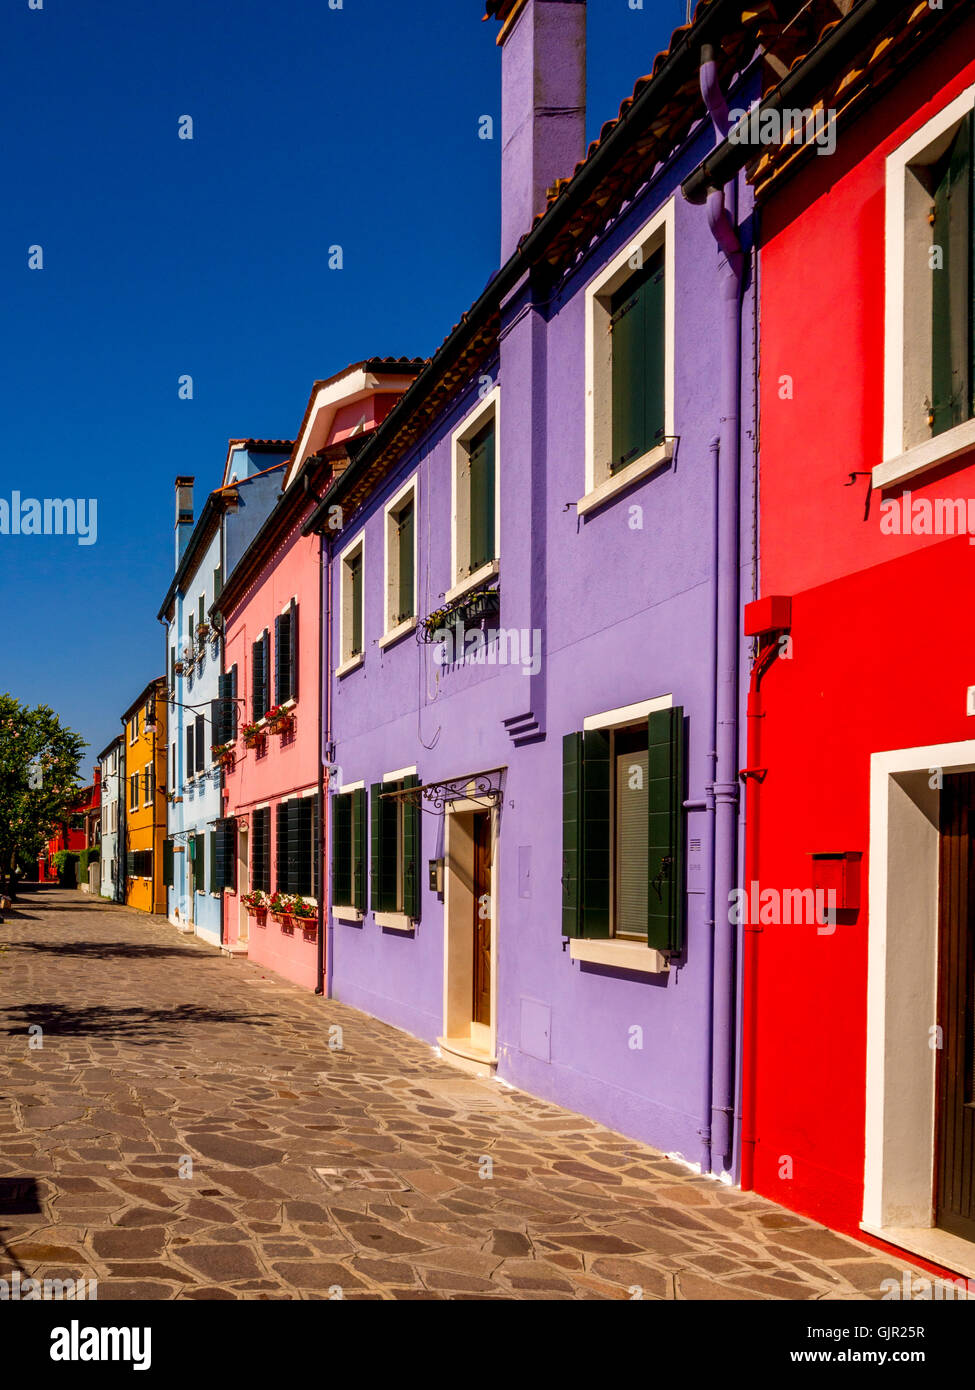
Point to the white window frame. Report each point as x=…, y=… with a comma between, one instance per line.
x=462, y=583
x=393, y=633
x=349, y=662
x=901, y=460
x=601, y=485
x=147, y=784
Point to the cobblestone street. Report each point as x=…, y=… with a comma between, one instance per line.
x=362, y=1166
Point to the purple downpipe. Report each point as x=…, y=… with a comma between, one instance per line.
x=723, y=226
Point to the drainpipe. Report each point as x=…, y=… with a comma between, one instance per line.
x=753, y=776
x=327, y=676
x=320, y=949
x=722, y=215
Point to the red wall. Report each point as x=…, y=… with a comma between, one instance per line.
x=882, y=629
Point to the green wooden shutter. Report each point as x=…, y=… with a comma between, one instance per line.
x=299, y=845
x=172, y=668
x=375, y=847
x=217, y=582
x=200, y=741
x=282, y=656
x=404, y=542
x=233, y=702
x=665, y=863
x=355, y=583
x=637, y=324
x=411, y=853
x=168, y=863
x=481, y=464
x=597, y=856
x=201, y=609
x=222, y=711
x=282, y=881
x=316, y=886
x=359, y=849
x=342, y=849
x=293, y=638
x=130, y=864
x=571, y=835
x=216, y=868
x=257, y=707
x=952, y=316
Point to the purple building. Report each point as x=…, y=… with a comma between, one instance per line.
x=535, y=572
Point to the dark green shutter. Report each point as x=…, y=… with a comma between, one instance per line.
x=168, y=863
x=293, y=638
x=597, y=856
x=130, y=864
x=359, y=849
x=201, y=735
x=223, y=848
x=172, y=668
x=222, y=711
x=233, y=702
x=316, y=886
x=375, y=847
x=952, y=317
x=638, y=330
x=216, y=868
x=342, y=849
x=201, y=609
x=282, y=883
x=257, y=680
x=282, y=658
x=217, y=582
x=411, y=853
x=355, y=583
x=299, y=845
x=665, y=862
x=261, y=849
x=572, y=835
x=190, y=764
x=404, y=526
x=481, y=463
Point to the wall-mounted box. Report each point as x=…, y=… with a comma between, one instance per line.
x=436, y=875
x=839, y=872
x=772, y=614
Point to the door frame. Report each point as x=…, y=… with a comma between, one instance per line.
x=458, y=1022
x=902, y=1002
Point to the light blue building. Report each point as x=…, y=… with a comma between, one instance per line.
x=206, y=552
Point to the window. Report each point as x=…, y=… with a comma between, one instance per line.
x=134, y=792
x=172, y=668
x=200, y=742
x=400, y=558
x=217, y=582
x=261, y=849
x=629, y=363
x=138, y=863
x=351, y=604
x=297, y=838
x=395, y=849
x=225, y=708
x=147, y=784
x=223, y=861
x=190, y=752
x=475, y=493
x=286, y=655
x=622, y=831
x=201, y=605
x=197, y=858
x=260, y=666
x=134, y=727
x=930, y=331
x=168, y=875
x=349, y=849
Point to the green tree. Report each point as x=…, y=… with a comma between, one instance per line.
x=40, y=765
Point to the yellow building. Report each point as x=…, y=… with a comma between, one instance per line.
x=144, y=806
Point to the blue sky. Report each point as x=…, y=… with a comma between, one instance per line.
x=163, y=256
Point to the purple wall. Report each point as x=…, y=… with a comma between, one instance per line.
x=625, y=615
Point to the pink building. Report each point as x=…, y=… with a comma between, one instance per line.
x=269, y=727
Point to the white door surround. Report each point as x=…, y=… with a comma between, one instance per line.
x=902, y=995
x=468, y=1044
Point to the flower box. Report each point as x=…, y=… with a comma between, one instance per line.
x=288, y=924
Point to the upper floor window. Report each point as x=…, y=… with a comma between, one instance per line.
x=260, y=676
x=401, y=558
x=929, y=390
x=286, y=654
x=474, y=537
x=351, y=603
x=134, y=727
x=630, y=363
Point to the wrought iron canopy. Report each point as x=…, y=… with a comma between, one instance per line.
x=482, y=787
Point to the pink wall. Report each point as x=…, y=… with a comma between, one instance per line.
x=288, y=764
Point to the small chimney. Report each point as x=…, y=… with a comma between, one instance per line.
x=184, y=514
x=543, y=105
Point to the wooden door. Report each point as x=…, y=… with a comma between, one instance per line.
x=481, y=1011
x=955, y=1154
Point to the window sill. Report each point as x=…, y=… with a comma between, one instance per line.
x=395, y=633
x=633, y=473
x=921, y=457
x=347, y=914
x=489, y=571
x=350, y=665
x=395, y=921
x=621, y=955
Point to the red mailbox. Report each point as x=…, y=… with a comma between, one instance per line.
x=839, y=872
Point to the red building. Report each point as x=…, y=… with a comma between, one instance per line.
x=80, y=830
x=859, y=1003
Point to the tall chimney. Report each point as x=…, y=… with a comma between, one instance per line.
x=543, y=105
x=184, y=514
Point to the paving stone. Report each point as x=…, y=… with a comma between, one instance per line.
x=222, y=1261
x=129, y=1244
